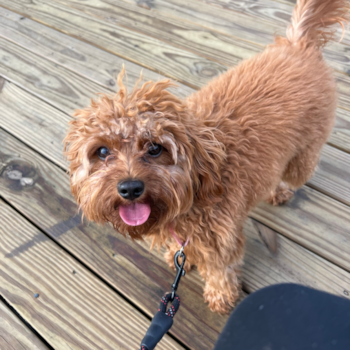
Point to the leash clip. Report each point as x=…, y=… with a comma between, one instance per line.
x=180, y=271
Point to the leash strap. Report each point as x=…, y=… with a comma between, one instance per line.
x=161, y=322
x=163, y=319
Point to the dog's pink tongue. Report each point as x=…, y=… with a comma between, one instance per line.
x=135, y=214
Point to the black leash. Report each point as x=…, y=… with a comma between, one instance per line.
x=163, y=319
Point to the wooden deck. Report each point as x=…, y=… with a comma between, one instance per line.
x=65, y=284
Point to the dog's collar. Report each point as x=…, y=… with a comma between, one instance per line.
x=177, y=239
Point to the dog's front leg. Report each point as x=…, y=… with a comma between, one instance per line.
x=222, y=286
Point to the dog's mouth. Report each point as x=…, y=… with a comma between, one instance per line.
x=135, y=214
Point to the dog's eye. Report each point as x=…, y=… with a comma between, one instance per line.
x=103, y=152
x=155, y=150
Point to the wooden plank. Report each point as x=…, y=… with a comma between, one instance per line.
x=291, y=263
x=53, y=83
x=98, y=65
x=72, y=310
x=340, y=136
x=190, y=36
x=238, y=25
x=273, y=11
x=130, y=268
x=27, y=116
x=314, y=221
x=14, y=335
x=25, y=69
x=72, y=22
x=151, y=53
x=36, y=119
x=343, y=85
x=332, y=176
x=45, y=199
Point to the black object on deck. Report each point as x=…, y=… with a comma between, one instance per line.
x=288, y=317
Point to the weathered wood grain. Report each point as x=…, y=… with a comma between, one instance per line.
x=73, y=309
x=14, y=335
x=72, y=22
x=291, y=263
x=332, y=175
x=45, y=198
x=179, y=10
x=314, y=221
x=343, y=85
x=129, y=267
x=89, y=61
x=40, y=125
x=37, y=73
x=26, y=117
x=274, y=11
x=340, y=136
x=190, y=36
x=55, y=84
x=239, y=25
x=149, y=52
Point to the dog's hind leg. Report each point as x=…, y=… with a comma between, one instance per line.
x=302, y=167
x=298, y=171
x=280, y=195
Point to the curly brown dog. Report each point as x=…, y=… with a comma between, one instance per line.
x=150, y=163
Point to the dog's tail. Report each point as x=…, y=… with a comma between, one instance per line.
x=312, y=21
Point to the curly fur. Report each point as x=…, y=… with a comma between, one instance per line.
x=252, y=134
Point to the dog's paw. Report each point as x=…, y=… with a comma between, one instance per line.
x=219, y=301
x=281, y=195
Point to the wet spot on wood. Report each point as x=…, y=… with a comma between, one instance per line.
x=26, y=181
x=19, y=174
x=14, y=174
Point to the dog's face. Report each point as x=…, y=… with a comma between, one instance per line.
x=132, y=160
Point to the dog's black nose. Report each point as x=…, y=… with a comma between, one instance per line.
x=131, y=189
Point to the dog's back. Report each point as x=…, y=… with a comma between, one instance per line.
x=279, y=105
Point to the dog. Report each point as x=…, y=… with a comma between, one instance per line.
x=173, y=170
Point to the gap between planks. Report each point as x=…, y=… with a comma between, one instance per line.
x=14, y=335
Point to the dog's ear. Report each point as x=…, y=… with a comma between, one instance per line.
x=207, y=161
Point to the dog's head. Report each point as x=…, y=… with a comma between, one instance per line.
x=140, y=160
